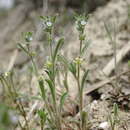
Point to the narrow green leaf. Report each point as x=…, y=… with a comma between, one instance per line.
x=53, y=19
x=63, y=59
x=22, y=48
x=85, y=47
x=62, y=100
x=111, y=121
x=83, y=80
x=42, y=17
x=49, y=73
x=52, y=88
x=59, y=45
x=115, y=107
x=72, y=68
x=43, y=116
x=42, y=88
x=84, y=119
x=108, y=31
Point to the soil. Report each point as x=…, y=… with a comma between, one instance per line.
x=99, y=102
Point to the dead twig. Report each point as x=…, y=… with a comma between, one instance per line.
x=119, y=56
x=102, y=83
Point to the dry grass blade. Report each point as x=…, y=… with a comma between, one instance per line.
x=12, y=61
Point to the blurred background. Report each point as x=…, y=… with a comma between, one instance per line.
x=17, y=16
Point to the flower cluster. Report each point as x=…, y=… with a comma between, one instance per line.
x=78, y=60
x=28, y=37
x=48, y=23
x=48, y=64
x=81, y=21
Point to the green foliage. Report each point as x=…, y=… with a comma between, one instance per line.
x=28, y=36
x=43, y=117
x=42, y=88
x=52, y=89
x=83, y=80
x=114, y=117
x=62, y=100
x=58, y=46
x=51, y=117
x=5, y=121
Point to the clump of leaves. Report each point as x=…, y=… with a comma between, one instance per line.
x=74, y=66
x=51, y=117
x=114, y=117
x=5, y=120
x=13, y=100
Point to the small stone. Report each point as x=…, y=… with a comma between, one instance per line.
x=103, y=125
x=103, y=97
x=94, y=105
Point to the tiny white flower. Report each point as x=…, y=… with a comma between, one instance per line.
x=49, y=24
x=104, y=125
x=30, y=38
x=83, y=22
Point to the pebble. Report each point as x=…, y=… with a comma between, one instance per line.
x=103, y=125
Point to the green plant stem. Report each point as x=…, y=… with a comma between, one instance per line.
x=58, y=120
x=32, y=60
x=79, y=86
x=21, y=109
x=81, y=43
x=80, y=94
x=116, y=67
x=34, y=66
x=42, y=125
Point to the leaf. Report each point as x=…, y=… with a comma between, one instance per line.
x=62, y=59
x=42, y=88
x=84, y=119
x=85, y=47
x=50, y=73
x=42, y=114
x=72, y=68
x=62, y=100
x=59, y=44
x=52, y=89
x=115, y=107
x=42, y=17
x=22, y=48
x=108, y=31
x=53, y=19
x=83, y=80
